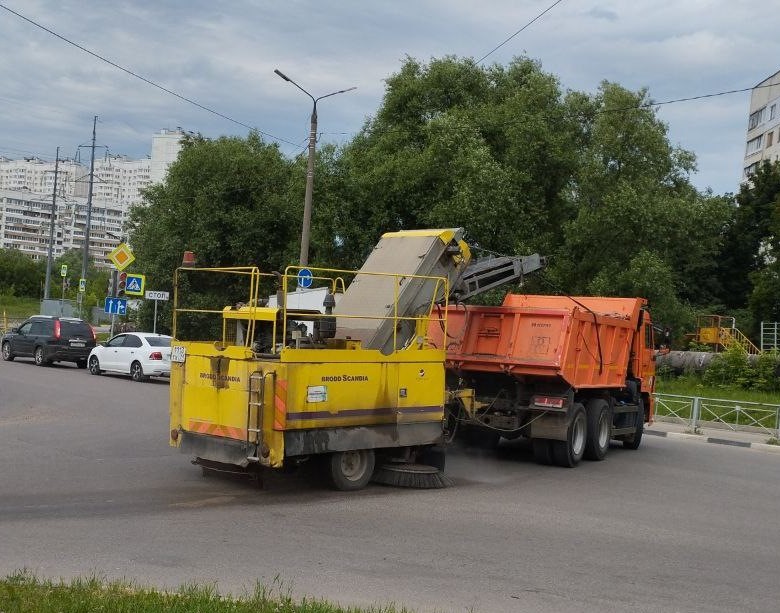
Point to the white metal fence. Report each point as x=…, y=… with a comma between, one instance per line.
x=770, y=335
x=732, y=414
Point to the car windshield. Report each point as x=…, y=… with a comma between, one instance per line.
x=159, y=341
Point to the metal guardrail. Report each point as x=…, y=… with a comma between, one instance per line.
x=736, y=415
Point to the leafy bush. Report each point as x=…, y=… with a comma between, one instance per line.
x=732, y=368
x=767, y=372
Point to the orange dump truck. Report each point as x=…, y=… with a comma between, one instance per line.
x=570, y=373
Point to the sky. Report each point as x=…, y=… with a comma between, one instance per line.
x=222, y=55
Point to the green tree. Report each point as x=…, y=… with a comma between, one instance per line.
x=640, y=227
x=227, y=200
x=749, y=255
x=458, y=144
x=20, y=275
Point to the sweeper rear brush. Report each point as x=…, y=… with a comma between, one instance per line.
x=420, y=476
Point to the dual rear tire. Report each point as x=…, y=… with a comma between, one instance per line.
x=587, y=436
x=568, y=453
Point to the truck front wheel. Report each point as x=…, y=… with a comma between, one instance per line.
x=632, y=441
x=351, y=470
x=568, y=453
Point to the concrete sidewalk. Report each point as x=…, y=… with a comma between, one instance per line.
x=711, y=433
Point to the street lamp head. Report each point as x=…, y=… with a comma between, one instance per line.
x=281, y=74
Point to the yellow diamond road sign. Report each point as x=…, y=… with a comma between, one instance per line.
x=122, y=256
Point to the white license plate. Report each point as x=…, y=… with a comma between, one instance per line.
x=76, y=344
x=178, y=353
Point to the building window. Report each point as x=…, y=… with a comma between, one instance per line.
x=754, y=144
x=772, y=111
x=751, y=169
x=769, y=137
x=756, y=118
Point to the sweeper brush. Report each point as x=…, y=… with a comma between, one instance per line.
x=419, y=476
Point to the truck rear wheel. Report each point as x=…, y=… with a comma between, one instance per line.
x=351, y=470
x=599, y=429
x=568, y=453
x=542, y=451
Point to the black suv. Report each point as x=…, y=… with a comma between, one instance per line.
x=50, y=339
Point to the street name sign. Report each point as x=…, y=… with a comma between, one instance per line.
x=154, y=295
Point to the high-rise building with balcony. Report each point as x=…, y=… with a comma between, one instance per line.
x=27, y=186
x=763, y=130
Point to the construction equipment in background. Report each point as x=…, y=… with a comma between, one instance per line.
x=570, y=373
x=721, y=333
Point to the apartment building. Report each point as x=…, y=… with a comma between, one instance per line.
x=26, y=217
x=763, y=131
x=118, y=179
x=36, y=175
x=27, y=186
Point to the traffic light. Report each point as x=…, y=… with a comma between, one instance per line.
x=121, y=284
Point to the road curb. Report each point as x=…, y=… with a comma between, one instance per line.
x=698, y=438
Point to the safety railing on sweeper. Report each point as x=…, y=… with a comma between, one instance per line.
x=732, y=414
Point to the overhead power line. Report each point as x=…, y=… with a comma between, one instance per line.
x=145, y=80
x=539, y=16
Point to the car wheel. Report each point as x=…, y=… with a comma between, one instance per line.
x=94, y=365
x=40, y=360
x=137, y=371
x=7, y=355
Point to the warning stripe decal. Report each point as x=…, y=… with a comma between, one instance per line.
x=280, y=404
x=202, y=427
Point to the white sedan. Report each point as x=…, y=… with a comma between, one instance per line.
x=138, y=354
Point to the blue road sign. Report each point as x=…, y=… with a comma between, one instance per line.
x=115, y=306
x=305, y=277
x=135, y=285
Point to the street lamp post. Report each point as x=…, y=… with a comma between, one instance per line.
x=306, y=230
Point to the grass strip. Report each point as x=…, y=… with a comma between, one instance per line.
x=22, y=592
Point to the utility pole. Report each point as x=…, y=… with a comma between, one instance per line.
x=47, y=286
x=88, y=223
x=306, y=229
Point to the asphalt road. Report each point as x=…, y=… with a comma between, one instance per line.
x=89, y=486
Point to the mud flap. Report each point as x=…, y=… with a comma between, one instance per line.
x=554, y=426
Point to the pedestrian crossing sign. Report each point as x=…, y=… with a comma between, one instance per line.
x=135, y=285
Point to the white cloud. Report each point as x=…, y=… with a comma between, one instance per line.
x=223, y=55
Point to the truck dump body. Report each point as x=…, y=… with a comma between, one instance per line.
x=585, y=341
x=569, y=373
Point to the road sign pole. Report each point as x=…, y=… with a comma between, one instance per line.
x=111, y=331
x=154, y=326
